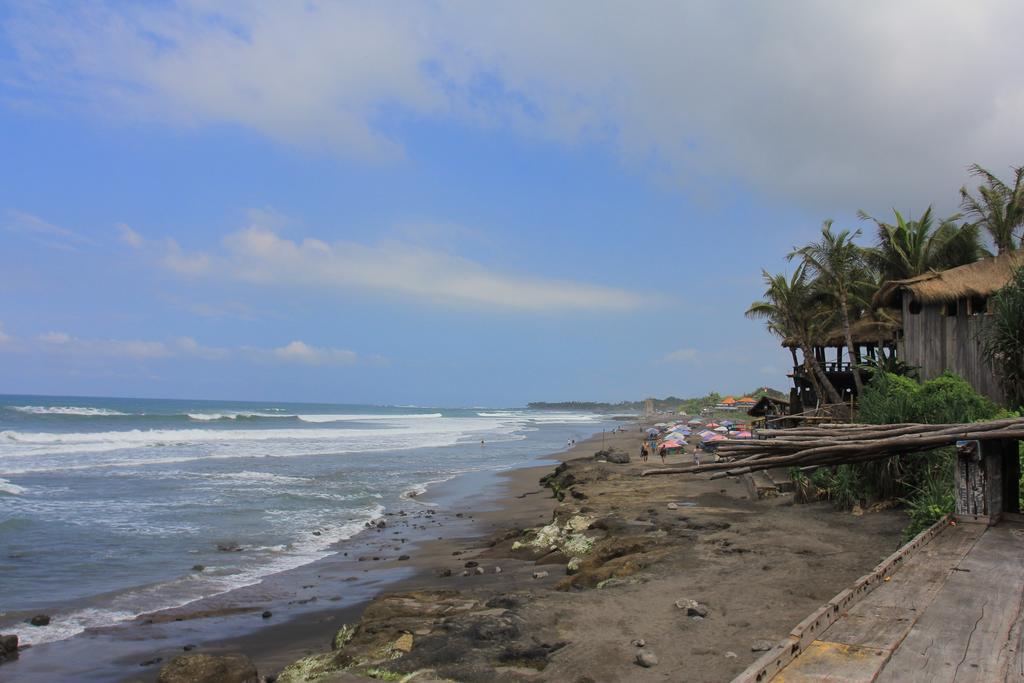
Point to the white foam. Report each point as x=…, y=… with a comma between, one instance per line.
x=367, y=418
x=126, y=606
x=9, y=488
x=42, y=451
x=210, y=417
x=68, y=410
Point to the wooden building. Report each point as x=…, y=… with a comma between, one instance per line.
x=943, y=315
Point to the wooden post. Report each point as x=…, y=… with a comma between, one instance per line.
x=979, y=481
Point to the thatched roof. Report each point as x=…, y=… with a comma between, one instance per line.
x=768, y=404
x=981, y=279
x=877, y=328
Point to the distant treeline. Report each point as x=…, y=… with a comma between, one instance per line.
x=668, y=404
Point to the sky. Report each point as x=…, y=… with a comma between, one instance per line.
x=459, y=203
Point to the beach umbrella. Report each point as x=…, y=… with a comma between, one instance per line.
x=728, y=423
x=653, y=432
x=716, y=437
x=742, y=435
x=695, y=421
x=712, y=425
x=721, y=430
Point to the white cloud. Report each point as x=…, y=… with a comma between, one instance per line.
x=42, y=232
x=187, y=347
x=867, y=104
x=190, y=347
x=189, y=265
x=300, y=352
x=55, y=338
x=682, y=356
x=259, y=255
x=129, y=236
x=121, y=348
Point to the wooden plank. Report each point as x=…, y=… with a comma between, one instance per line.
x=965, y=633
x=825, y=662
x=916, y=585
x=878, y=627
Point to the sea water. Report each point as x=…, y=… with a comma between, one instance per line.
x=107, y=505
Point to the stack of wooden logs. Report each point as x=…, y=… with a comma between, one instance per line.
x=835, y=444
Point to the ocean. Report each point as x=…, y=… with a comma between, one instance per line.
x=108, y=505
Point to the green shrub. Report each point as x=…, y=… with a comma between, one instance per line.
x=889, y=399
x=933, y=498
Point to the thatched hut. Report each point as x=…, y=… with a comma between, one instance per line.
x=874, y=335
x=944, y=314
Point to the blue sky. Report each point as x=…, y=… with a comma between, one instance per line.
x=457, y=204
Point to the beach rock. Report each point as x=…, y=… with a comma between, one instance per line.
x=761, y=646
x=497, y=570
x=539, y=575
x=693, y=608
x=151, y=662
x=672, y=506
x=231, y=668
x=189, y=647
x=470, y=564
x=342, y=637
x=479, y=570
x=731, y=655
x=267, y=614
x=646, y=659
x=639, y=642
x=403, y=644
x=444, y=573
x=613, y=455
x=229, y=547
x=402, y=558
x=40, y=620
x=198, y=567
x=8, y=647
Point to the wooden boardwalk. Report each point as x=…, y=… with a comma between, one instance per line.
x=951, y=612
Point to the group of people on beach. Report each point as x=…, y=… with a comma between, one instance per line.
x=645, y=451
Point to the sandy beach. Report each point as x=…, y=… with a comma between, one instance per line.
x=464, y=586
x=756, y=566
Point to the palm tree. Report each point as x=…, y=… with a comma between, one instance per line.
x=998, y=207
x=792, y=312
x=913, y=247
x=840, y=267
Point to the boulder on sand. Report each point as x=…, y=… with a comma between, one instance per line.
x=8, y=647
x=230, y=668
x=612, y=455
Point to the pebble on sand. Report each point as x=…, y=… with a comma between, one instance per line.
x=646, y=659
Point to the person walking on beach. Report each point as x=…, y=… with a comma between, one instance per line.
x=643, y=452
x=661, y=452
x=696, y=458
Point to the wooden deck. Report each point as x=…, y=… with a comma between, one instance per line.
x=951, y=612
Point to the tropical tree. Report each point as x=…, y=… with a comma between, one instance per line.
x=792, y=310
x=840, y=268
x=1003, y=339
x=999, y=208
x=914, y=247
